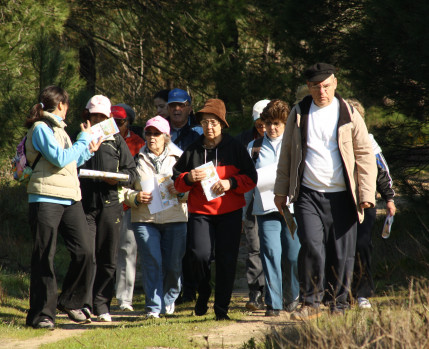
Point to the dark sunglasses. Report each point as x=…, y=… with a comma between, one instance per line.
x=154, y=134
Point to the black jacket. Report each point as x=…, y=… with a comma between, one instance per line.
x=112, y=156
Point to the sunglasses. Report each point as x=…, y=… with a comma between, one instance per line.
x=154, y=134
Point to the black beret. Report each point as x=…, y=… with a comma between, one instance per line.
x=319, y=72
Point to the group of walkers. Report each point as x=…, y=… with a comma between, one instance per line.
x=316, y=161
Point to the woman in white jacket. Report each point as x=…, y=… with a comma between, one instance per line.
x=160, y=233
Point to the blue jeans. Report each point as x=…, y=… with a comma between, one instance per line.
x=277, y=245
x=161, y=248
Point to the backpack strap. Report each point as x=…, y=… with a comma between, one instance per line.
x=256, y=148
x=40, y=154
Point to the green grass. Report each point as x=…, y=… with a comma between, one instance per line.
x=174, y=331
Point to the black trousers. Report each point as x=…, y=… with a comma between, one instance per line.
x=363, y=283
x=46, y=220
x=254, y=271
x=215, y=237
x=104, y=226
x=327, y=228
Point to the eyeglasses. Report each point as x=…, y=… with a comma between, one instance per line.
x=212, y=123
x=276, y=124
x=260, y=125
x=152, y=134
x=174, y=105
x=317, y=88
x=120, y=122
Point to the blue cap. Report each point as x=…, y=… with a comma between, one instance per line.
x=176, y=95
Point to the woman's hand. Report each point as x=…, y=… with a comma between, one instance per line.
x=196, y=175
x=94, y=145
x=221, y=186
x=172, y=189
x=144, y=197
x=86, y=126
x=110, y=181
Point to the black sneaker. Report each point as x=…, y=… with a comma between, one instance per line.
x=222, y=317
x=272, y=312
x=46, y=324
x=76, y=315
x=255, y=301
x=292, y=306
x=201, y=306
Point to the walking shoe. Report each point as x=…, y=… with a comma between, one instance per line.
x=126, y=307
x=306, y=312
x=272, y=312
x=222, y=317
x=87, y=313
x=364, y=303
x=169, y=309
x=152, y=315
x=201, y=303
x=76, y=315
x=104, y=317
x=255, y=301
x=46, y=324
x=292, y=306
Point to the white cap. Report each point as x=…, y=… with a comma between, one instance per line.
x=99, y=104
x=258, y=108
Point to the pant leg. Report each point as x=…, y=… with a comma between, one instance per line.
x=126, y=263
x=106, y=248
x=290, y=249
x=189, y=284
x=311, y=257
x=201, y=244
x=76, y=288
x=254, y=270
x=270, y=229
x=363, y=284
x=227, y=243
x=173, y=246
x=148, y=237
x=44, y=219
x=341, y=218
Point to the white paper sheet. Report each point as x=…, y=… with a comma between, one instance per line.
x=266, y=180
x=104, y=129
x=211, y=178
x=161, y=197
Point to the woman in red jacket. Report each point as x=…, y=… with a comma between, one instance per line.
x=215, y=215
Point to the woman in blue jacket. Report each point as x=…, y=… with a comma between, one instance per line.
x=276, y=241
x=55, y=206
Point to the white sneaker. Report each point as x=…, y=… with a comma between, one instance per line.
x=363, y=303
x=152, y=315
x=126, y=307
x=169, y=309
x=104, y=318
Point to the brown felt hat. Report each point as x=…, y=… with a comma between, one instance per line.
x=215, y=107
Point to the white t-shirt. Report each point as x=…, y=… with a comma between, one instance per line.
x=323, y=170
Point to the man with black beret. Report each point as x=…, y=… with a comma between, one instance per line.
x=327, y=170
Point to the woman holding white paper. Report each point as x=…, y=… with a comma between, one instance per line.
x=158, y=214
x=101, y=200
x=276, y=242
x=215, y=215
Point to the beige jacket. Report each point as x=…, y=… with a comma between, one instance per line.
x=355, y=148
x=146, y=170
x=48, y=179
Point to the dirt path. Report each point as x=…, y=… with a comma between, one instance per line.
x=253, y=325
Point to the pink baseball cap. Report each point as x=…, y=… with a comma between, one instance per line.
x=160, y=123
x=99, y=104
